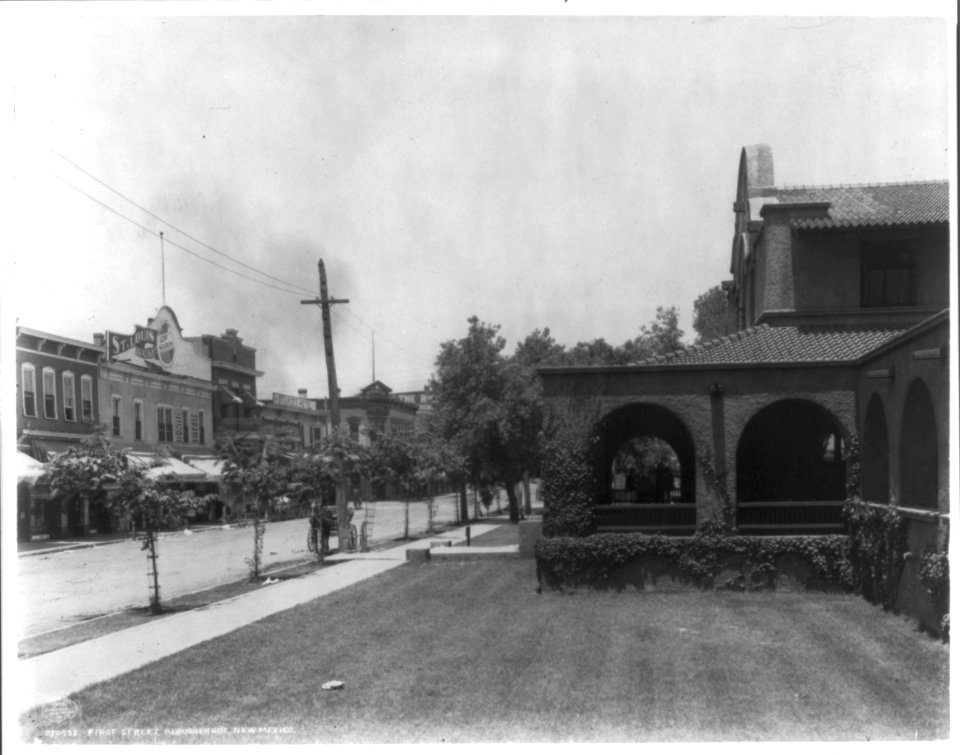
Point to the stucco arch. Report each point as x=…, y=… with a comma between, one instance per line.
x=875, y=453
x=919, y=462
x=791, y=450
x=645, y=419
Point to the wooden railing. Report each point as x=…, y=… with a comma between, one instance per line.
x=790, y=517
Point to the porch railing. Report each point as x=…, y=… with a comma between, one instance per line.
x=789, y=517
x=649, y=518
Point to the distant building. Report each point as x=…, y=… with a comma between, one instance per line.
x=295, y=418
x=234, y=373
x=375, y=408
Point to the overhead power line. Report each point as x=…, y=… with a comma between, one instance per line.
x=178, y=230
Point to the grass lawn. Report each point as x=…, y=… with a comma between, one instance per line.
x=433, y=652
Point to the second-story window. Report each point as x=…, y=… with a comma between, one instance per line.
x=69, y=397
x=86, y=398
x=185, y=423
x=165, y=424
x=887, y=275
x=138, y=420
x=115, y=403
x=203, y=434
x=49, y=393
x=29, y=390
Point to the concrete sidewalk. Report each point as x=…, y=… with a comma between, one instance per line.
x=56, y=675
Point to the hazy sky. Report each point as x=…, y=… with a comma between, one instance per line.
x=568, y=171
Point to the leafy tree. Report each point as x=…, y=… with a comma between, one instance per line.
x=257, y=473
x=540, y=349
x=483, y=404
x=596, y=352
x=95, y=467
x=713, y=315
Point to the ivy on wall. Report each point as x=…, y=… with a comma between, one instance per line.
x=935, y=578
x=877, y=547
x=714, y=558
x=569, y=473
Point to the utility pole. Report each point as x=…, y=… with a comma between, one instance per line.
x=325, y=302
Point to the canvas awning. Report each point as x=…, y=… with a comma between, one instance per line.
x=170, y=468
x=250, y=400
x=29, y=469
x=210, y=466
x=227, y=396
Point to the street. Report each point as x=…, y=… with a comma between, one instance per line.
x=59, y=589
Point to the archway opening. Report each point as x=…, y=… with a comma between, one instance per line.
x=646, y=470
x=646, y=457
x=875, y=454
x=919, y=463
x=790, y=470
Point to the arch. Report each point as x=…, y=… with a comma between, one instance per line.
x=918, y=449
x=791, y=450
x=875, y=454
x=645, y=420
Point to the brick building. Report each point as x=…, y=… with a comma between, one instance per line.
x=58, y=383
x=841, y=293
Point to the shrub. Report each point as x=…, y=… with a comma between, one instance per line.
x=935, y=578
x=749, y=563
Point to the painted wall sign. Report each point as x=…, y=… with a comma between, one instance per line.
x=141, y=343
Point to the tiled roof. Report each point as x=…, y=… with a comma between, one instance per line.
x=872, y=205
x=783, y=344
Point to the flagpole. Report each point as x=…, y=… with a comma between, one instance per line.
x=163, y=271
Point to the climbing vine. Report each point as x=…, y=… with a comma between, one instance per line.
x=935, y=578
x=717, y=482
x=877, y=547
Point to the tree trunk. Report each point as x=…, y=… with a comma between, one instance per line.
x=464, y=504
x=151, y=543
x=511, y=486
x=527, y=503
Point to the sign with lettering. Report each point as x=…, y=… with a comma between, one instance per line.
x=296, y=402
x=141, y=343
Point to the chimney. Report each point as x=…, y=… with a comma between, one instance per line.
x=99, y=339
x=302, y=392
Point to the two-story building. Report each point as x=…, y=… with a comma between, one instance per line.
x=841, y=363
x=58, y=384
x=294, y=418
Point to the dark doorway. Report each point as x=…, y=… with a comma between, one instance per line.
x=791, y=451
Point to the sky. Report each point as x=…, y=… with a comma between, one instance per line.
x=573, y=168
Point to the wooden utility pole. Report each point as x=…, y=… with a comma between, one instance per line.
x=325, y=302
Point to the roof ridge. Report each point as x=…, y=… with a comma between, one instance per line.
x=863, y=185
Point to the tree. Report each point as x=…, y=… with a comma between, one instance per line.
x=259, y=474
x=713, y=315
x=484, y=404
x=540, y=349
x=95, y=467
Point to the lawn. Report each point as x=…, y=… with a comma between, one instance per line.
x=445, y=652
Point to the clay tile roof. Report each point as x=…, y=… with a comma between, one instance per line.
x=872, y=204
x=785, y=344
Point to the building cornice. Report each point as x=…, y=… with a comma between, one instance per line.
x=234, y=367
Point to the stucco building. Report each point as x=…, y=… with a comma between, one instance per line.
x=841, y=293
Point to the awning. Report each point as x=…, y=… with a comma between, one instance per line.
x=250, y=400
x=170, y=468
x=48, y=450
x=28, y=468
x=210, y=466
x=227, y=396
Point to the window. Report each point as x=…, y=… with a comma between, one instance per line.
x=49, y=393
x=29, y=390
x=138, y=420
x=115, y=402
x=185, y=423
x=69, y=397
x=887, y=275
x=86, y=398
x=203, y=435
x=165, y=424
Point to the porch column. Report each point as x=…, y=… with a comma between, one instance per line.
x=718, y=428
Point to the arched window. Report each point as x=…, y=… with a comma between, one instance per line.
x=28, y=389
x=49, y=393
x=919, y=463
x=69, y=397
x=875, y=454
